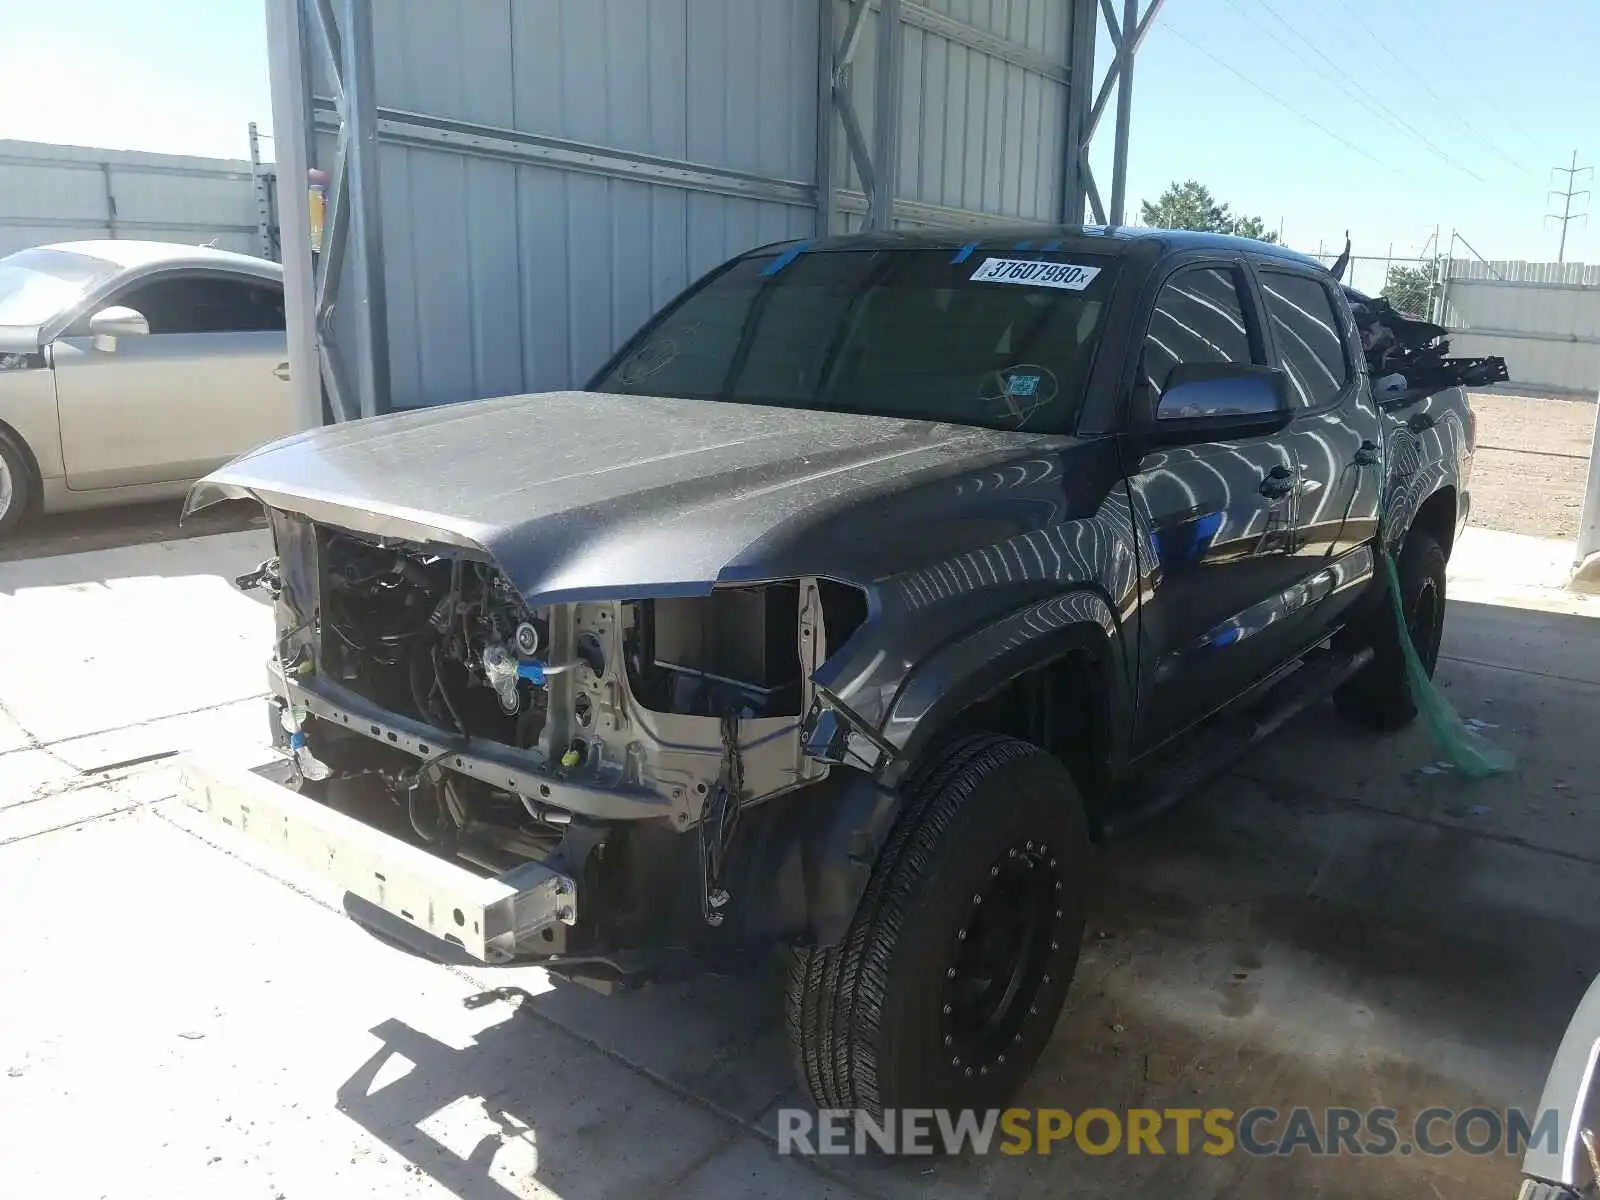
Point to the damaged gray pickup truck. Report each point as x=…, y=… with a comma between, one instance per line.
x=862, y=591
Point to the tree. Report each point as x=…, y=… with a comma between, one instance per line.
x=1410, y=289
x=1190, y=205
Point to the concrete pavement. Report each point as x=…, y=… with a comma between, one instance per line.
x=1338, y=922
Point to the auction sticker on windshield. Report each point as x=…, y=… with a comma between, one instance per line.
x=1035, y=273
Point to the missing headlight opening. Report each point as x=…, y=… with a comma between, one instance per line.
x=497, y=727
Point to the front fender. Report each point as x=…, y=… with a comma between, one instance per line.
x=985, y=660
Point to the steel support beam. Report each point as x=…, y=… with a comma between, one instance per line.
x=824, y=129
x=290, y=106
x=1126, y=32
x=1119, y=162
x=1081, y=29
x=886, y=114
x=361, y=197
x=398, y=127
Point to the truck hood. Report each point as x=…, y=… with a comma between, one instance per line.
x=589, y=495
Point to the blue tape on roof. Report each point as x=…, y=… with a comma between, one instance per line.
x=965, y=252
x=784, y=259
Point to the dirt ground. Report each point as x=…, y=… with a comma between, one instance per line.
x=1532, y=463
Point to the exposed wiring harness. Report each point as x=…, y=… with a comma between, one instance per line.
x=719, y=820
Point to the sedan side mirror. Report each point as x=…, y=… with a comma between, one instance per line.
x=1209, y=402
x=107, y=325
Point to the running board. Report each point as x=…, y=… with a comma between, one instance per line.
x=1200, y=758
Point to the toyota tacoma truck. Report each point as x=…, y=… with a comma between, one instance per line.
x=860, y=593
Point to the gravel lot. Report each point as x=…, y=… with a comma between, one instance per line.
x=1532, y=462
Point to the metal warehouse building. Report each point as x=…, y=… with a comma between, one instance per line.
x=512, y=186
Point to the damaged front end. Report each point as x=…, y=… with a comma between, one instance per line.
x=614, y=758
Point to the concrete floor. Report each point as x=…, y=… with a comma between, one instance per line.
x=1331, y=924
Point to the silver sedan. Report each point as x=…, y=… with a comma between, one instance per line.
x=129, y=369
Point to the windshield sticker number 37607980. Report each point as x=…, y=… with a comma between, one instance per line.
x=1035, y=273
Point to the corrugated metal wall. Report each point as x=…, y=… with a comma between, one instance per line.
x=52, y=193
x=982, y=119
x=507, y=277
x=552, y=171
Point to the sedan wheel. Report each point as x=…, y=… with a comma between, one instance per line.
x=16, y=484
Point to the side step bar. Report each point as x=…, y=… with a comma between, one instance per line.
x=1197, y=760
x=494, y=920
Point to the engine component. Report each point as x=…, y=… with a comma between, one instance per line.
x=500, y=668
x=526, y=639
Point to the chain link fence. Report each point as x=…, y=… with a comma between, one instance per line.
x=1408, y=283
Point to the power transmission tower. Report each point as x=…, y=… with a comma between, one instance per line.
x=1567, y=216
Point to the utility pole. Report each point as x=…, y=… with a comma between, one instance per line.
x=1567, y=216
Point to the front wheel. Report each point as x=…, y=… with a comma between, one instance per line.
x=16, y=485
x=945, y=989
x=1380, y=696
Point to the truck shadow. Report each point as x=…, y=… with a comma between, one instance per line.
x=585, y=1095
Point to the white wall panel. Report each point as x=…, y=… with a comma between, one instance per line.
x=51, y=193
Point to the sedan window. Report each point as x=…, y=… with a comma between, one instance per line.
x=206, y=304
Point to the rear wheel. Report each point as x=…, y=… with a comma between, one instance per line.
x=945, y=989
x=16, y=484
x=1380, y=696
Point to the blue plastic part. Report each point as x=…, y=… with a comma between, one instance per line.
x=533, y=672
x=1055, y=245
x=297, y=739
x=964, y=253
x=787, y=257
x=1023, y=245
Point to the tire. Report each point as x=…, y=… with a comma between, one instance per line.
x=16, y=484
x=1379, y=698
x=878, y=1021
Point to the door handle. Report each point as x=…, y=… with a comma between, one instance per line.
x=1277, y=483
x=281, y=370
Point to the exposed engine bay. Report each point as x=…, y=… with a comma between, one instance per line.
x=418, y=680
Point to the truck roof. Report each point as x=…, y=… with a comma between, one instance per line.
x=1121, y=240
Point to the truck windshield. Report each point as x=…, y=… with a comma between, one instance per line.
x=1002, y=340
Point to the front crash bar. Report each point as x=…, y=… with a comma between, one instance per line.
x=493, y=919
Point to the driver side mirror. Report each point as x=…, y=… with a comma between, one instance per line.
x=1210, y=402
x=107, y=325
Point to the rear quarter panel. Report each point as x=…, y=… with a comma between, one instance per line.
x=1427, y=447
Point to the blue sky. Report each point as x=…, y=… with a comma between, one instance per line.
x=1506, y=90
x=1503, y=91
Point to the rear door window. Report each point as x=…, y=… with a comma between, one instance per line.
x=1306, y=329
x=1003, y=340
